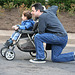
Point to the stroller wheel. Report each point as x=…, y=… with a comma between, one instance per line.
x=3, y=50
x=33, y=54
x=9, y=54
x=45, y=53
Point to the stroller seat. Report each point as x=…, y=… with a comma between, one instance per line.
x=26, y=42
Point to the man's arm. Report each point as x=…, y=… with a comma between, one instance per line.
x=41, y=25
x=53, y=9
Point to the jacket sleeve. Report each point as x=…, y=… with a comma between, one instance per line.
x=53, y=9
x=26, y=26
x=41, y=25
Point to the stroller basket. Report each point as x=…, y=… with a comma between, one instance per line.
x=26, y=43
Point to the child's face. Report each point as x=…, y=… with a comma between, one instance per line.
x=24, y=17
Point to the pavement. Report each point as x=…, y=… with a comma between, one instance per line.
x=21, y=65
x=5, y=34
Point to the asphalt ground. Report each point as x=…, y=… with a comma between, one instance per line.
x=21, y=65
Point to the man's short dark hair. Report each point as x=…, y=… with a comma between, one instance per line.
x=38, y=6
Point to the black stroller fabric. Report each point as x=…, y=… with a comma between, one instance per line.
x=26, y=44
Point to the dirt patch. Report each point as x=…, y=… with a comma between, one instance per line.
x=10, y=18
x=68, y=22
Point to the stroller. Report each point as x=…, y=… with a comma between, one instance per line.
x=25, y=43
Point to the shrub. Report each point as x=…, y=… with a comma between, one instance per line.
x=72, y=9
x=1, y=11
x=22, y=8
x=19, y=2
x=61, y=7
x=9, y=5
x=12, y=3
x=64, y=5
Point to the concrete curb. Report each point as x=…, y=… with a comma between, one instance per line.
x=9, y=33
x=6, y=32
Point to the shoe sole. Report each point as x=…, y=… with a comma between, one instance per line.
x=37, y=61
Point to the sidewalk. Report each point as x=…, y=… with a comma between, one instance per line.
x=5, y=34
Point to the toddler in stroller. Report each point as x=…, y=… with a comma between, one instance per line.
x=26, y=24
x=24, y=43
x=24, y=40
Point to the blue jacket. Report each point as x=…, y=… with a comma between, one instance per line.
x=26, y=25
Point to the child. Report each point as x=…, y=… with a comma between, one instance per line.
x=26, y=24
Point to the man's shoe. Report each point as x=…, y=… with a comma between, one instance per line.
x=37, y=61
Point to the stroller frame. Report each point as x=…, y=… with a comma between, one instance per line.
x=9, y=53
x=30, y=38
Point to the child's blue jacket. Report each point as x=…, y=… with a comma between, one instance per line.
x=26, y=25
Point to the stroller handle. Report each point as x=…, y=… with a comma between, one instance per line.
x=25, y=31
x=28, y=32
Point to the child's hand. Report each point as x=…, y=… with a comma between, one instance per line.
x=16, y=28
x=13, y=27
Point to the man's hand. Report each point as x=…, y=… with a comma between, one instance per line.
x=16, y=28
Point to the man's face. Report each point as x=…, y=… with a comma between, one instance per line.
x=34, y=12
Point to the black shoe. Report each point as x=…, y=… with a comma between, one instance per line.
x=37, y=61
x=7, y=44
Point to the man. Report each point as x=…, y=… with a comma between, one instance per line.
x=51, y=31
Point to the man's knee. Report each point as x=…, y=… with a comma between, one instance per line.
x=37, y=36
x=54, y=59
